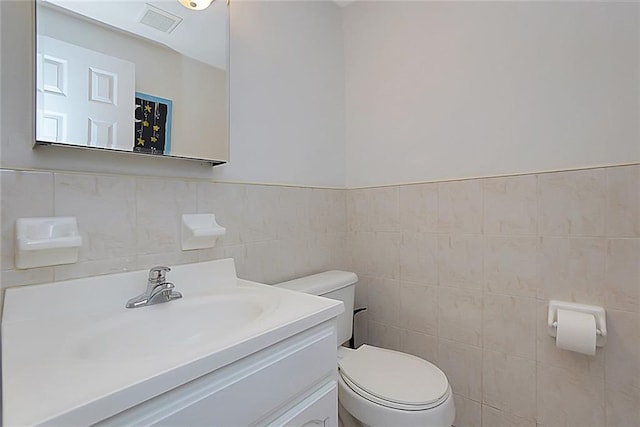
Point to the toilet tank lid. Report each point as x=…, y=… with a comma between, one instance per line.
x=321, y=283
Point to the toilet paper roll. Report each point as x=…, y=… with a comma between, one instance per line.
x=576, y=332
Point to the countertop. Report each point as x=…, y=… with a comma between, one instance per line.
x=49, y=377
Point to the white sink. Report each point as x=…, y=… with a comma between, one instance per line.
x=148, y=332
x=71, y=350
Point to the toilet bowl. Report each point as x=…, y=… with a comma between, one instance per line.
x=376, y=386
x=381, y=387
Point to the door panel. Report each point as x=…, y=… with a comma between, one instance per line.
x=84, y=97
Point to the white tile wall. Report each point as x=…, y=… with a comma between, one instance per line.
x=459, y=273
x=572, y=203
x=505, y=246
x=274, y=233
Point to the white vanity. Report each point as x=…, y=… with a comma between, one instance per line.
x=230, y=352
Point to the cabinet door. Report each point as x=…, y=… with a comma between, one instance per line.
x=318, y=409
x=246, y=391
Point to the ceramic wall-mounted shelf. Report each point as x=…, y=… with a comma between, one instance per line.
x=46, y=241
x=200, y=231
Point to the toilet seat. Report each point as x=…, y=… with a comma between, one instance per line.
x=393, y=379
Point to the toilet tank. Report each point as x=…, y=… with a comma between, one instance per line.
x=339, y=285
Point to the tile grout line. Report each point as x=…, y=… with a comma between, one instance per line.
x=482, y=354
x=537, y=261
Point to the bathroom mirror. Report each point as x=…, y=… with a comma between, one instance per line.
x=142, y=76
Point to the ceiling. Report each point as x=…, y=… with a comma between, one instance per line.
x=201, y=35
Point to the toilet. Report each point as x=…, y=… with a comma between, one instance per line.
x=376, y=386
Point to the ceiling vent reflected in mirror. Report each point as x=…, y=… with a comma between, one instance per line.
x=196, y=4
x=159, y=19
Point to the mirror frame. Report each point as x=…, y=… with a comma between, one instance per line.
x=34, y=115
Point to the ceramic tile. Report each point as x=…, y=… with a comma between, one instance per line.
x=316, y=252
x=239, y=253
x=468, y=412
x=420, y=345
x=623, y=201
x=96, y=268
x=331, y=249
x=419, y=308
x=623, y=274
x=385, y=209
x=510, y=265
x=509, y=383
x=566, y=399
x=145, y=262
x=340, y=257
x=419, y=258
x=509, y=325
x=460, y=261
x=29, y=276
x=228, y=203
x=492, y=417
x=160, y=204
x=460, y=206
x=211, y=254
x=293, y=212
x=572, y=269
x=576, y=363
x=572, y=203
x=510, y=205
x=460, y=315
x=622, y=409
x=358, y=205
x=325, y=251
x=260, y=215
x=327, y=210
x=357, y=252
x=384, y=301
x=263, y=262
x=385, y=336
x=273, y=235
x=382, y=251
x=419, y=208
x=18, y=201
x=622, y=360
x=294, y=257
x=462, y=364
x=105, y=207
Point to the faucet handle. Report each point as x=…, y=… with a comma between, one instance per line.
x=158, y=274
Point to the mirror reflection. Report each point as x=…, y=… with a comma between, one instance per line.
x=141, y=76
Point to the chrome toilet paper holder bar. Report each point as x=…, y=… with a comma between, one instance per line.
x=597, y=312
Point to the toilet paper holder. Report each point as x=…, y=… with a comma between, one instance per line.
x=597, y=312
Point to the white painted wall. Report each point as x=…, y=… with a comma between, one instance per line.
x=434, y=90
x=287, y=93
x=438, y=90
x=287, y=98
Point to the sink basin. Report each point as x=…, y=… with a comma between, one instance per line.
x=72, y=354
x=151, y=331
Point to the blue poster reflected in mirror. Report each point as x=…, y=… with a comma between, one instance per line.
x=152, y=134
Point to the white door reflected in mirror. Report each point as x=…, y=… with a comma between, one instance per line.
x=83, y=96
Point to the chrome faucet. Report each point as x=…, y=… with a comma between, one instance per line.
x=158, y=289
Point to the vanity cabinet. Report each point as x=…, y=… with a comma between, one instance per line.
x=229, y=353
x=290, y=383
